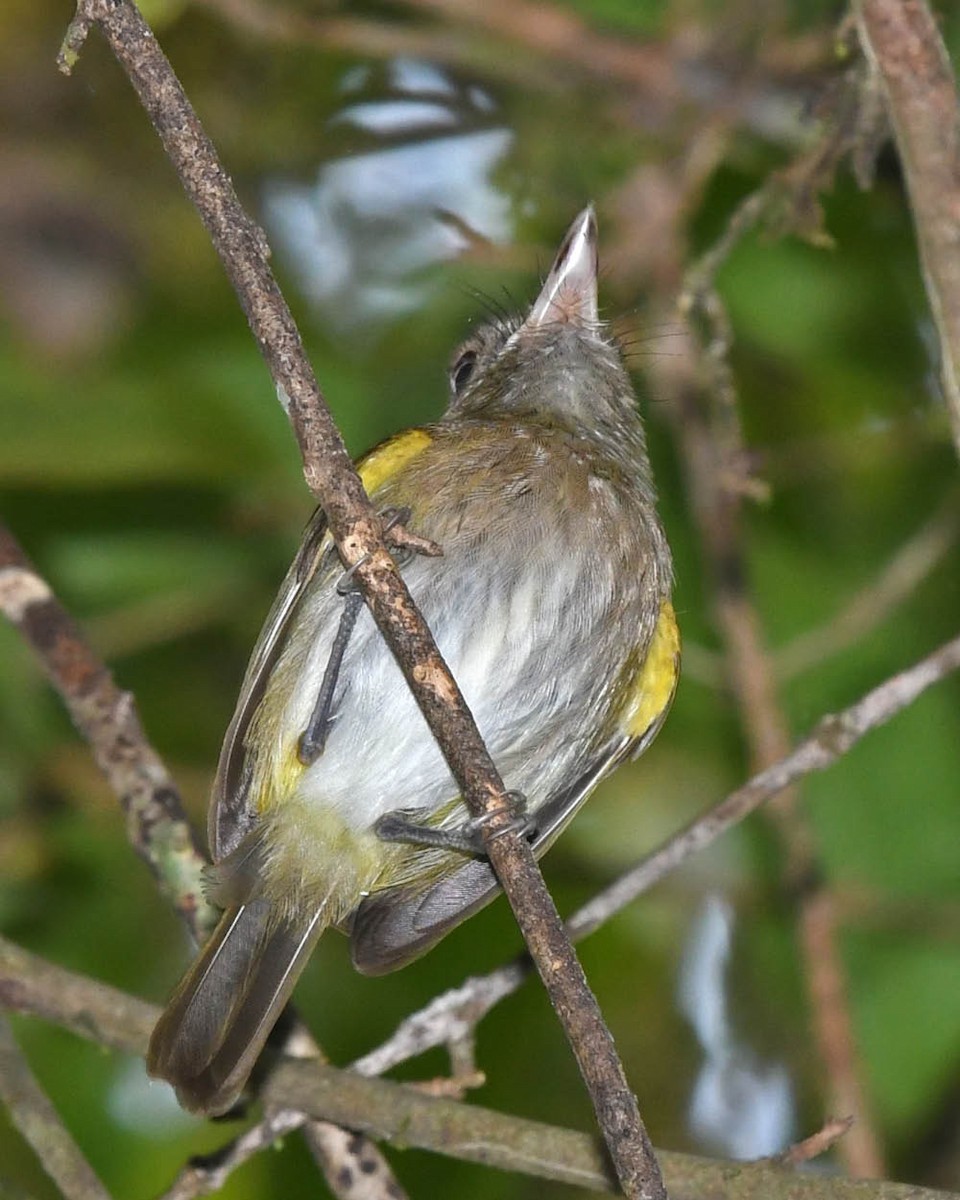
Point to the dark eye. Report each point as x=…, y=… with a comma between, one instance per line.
x=462, y=370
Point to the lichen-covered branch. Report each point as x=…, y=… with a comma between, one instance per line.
x=107, y=719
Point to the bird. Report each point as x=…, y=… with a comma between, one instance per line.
x=549, y=598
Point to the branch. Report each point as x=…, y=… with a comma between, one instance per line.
x=107, y=719
x=451, y=1015
x=201, y=1176
x=95, y=1011
x=410, y=1117
x=330, y=475
x=902, y=43
x=816, y=1144
x=832, y=737
x=36, y=1118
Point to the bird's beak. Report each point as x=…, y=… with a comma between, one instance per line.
x=569, y=295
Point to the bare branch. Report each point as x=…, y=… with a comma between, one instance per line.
x=107, y=719
x=157, y=826
x=833, y=737
x=447, y=1019
x=201, y=1176
x=357, y=531
x=355, y=1168
x=90, y=1009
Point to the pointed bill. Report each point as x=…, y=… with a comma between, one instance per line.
x=569, y=295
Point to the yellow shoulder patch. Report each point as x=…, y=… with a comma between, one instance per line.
x=656, y=680
x=391, y=456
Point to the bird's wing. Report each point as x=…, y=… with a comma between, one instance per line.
x=231, y=815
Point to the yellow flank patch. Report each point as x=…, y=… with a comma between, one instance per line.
x=391, y=456
x=283, y=779
x=656, y=680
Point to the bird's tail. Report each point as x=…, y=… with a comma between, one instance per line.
x=217, y=1021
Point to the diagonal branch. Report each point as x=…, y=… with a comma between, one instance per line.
x=107, y=719
x=355, y=527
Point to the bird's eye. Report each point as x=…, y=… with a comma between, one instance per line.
x=462, y=370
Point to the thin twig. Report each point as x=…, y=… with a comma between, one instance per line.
x=358, y=1169
x=816, y=1144
x=330, y=475
x=36, y=1118
x=832, y=737
x=447, y=1019
x=448, y=1016
x=903, y=46
x=405, y=1114
x=201, y=1176
x=361, y=1171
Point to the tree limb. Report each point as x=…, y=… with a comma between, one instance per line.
x=107, y=719
x=157, y=826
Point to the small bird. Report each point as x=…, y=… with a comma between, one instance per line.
x=332, y=804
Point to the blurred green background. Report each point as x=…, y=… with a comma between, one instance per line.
x=414, y=164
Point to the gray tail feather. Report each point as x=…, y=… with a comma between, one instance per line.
x=217, y=1021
